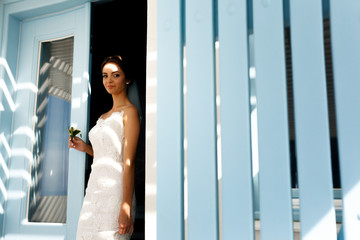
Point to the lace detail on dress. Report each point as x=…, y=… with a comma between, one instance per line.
x=107, y=137
x=101, y=207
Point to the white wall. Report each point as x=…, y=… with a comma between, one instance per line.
x=151, y=81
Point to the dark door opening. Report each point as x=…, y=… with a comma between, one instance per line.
x=120, y=28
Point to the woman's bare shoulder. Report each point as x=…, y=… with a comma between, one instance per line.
x=131, y=114
x=131, y=111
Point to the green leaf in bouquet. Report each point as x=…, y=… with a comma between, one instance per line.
x=73, y=132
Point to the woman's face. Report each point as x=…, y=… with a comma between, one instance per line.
x=113, y=78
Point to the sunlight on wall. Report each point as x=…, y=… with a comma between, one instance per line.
x=351, y=199
x=4, y=63
x=23, y=152
x=151, y=110
x=5, y=144
x=1, y=211
x=86, y=77
x=2, y=185
x=186, y=182
x=25, y=131
x=218, y=136
x=4, y=88
x=16, y=195
x=27, y=86
x=323, y=224
x=7, y=94
x=20, y=174
x=4, y=168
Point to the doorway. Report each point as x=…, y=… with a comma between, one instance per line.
x=120, y=28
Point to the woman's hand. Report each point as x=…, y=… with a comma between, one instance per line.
x=78, y=144
x=125, y=223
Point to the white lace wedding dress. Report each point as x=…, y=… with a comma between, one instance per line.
x=100, y=211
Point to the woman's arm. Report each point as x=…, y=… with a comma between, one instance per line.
x=80, y=145
x=131, y=135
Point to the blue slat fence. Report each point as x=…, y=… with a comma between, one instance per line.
x=258, y=119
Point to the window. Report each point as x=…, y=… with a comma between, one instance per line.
x=49, y=170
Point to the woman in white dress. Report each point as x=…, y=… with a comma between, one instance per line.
x=108, y=209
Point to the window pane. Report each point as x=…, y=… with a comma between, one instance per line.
x=49, y=171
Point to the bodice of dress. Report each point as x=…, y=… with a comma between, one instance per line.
x=107, y=137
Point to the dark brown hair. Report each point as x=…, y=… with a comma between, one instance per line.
x=118, y=60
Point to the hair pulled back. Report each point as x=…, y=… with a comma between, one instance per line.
x=118, y=60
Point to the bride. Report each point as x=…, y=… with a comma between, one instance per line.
x=108, y=209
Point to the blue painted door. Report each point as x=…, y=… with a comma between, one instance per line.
x=71, y=24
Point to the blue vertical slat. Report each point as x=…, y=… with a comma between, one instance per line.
x=274, y=163
x=201, y=124
x=170, y=213
x=236, y=183
x=317, y=213
x=345, y=38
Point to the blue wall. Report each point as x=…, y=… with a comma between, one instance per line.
x=7, y=101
